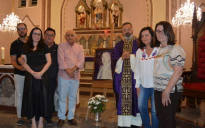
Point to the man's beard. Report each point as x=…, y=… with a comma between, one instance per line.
x=22, y=36
x=128, y=36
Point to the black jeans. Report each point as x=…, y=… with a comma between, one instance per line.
x=166, y=114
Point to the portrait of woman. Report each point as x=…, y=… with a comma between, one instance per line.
x=105, y=71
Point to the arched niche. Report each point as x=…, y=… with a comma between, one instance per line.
x=89, y=42
x=100, y=42
x=82, y=42
x=107, y=41
x=82, y=14
x=115, y=13
x=98, y=13
x=117, y=39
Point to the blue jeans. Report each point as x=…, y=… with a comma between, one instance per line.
x=67, y=88
x=144, y=95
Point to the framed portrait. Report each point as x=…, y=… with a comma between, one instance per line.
x=103, y=69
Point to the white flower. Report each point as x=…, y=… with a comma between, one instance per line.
x=98, y=96
x=89, y=106
x=95, y=108
x=97, y=103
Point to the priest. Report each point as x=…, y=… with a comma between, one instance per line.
x=124, y=82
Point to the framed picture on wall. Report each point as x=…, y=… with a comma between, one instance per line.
x=103, y=69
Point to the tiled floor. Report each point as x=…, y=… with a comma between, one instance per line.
x=109, y=118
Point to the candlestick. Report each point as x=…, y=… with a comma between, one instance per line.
x=2, y=61
x=2, y=53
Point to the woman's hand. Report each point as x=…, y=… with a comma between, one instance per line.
x=37, y=75
x=138, y=92
x=166, y=98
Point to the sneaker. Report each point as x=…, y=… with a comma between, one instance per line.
x=19, y=122
x=49, y=122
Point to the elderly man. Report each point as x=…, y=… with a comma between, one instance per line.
x=19, y=71
x=124, y=82
x=70, y=59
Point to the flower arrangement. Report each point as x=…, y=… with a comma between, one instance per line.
x=97, y=103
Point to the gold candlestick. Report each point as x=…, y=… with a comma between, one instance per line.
x=2, y=61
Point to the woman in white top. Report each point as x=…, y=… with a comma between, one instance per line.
x=105, y=69
x=145, y=57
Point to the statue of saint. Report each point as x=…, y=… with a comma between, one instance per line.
x=98, y=17
x=82, y=19
x=115, y=17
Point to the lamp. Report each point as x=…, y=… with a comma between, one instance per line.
x=10, y=22
x=183, y=16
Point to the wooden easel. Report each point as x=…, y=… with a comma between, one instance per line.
x=105, y=84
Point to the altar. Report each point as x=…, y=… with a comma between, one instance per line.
x=7, y=87
x=98, y=26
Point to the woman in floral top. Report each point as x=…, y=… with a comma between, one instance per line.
x=168, y=69
x=144, y=62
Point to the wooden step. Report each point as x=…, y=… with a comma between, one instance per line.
x=87, y=91
x=86, y=79
x=86, y=74
x=85, y=84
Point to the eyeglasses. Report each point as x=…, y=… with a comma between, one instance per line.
x=37, y=34
x=125, y=30
x=51, y=35
x=21, y=29
x=159, y=32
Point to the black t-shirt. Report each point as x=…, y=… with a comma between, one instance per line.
x=15, y=50
x=36, y=58
x=53, y=69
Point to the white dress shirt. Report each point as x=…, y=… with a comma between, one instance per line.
x=144, y=67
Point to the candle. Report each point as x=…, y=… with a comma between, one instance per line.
x=2, y=53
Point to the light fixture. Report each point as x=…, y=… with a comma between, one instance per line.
x=184, y=16
x=10, y=22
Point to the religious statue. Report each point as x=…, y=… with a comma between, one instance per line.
x=82, y=19
x=98, y=16
x=115, y=14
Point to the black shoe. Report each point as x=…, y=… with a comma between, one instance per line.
x=73, y=122
x=19, y=122
x=60, y=123
x=49, y=122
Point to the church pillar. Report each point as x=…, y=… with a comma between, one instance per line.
x=104, y=44
x=76, y=15
x=86, y=44
x=120, y=25
x=113, y=43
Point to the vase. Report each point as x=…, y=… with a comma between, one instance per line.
x=97, y=119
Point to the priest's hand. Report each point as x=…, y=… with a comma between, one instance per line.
x=125, y=55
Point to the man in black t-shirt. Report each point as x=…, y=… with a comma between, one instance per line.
x=49, y=36
x=15, y=53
